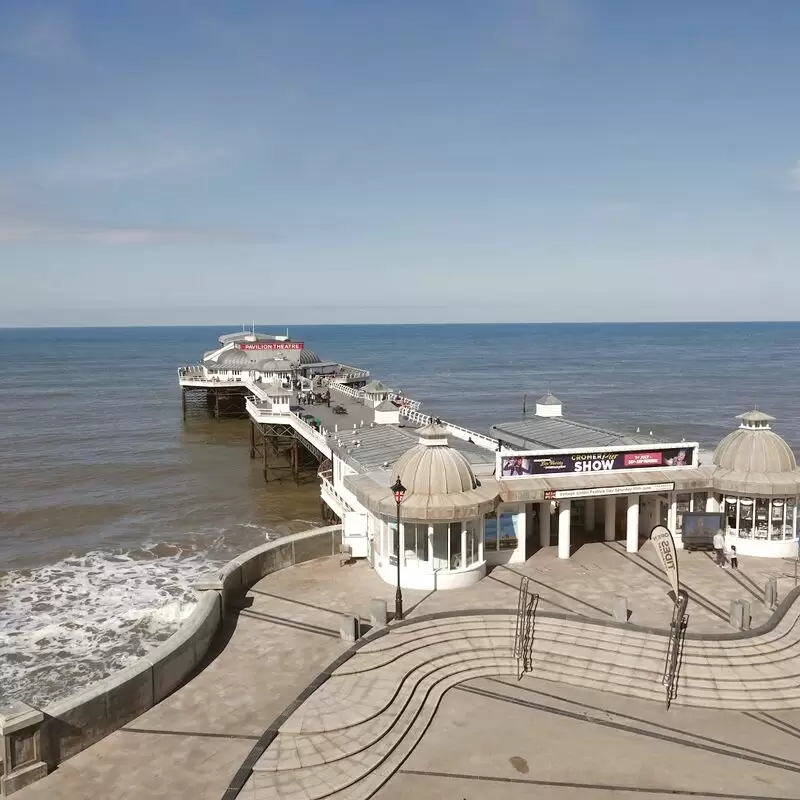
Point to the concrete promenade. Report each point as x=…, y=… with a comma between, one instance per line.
x=191, y=744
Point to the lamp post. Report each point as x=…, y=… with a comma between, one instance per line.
x=399, y=493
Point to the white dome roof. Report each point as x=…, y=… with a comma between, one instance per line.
x=432, y=467
x=754, y=447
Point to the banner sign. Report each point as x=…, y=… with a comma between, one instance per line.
x=665, y=547
x=564, y=462
x=271, y=346
x=608, y=491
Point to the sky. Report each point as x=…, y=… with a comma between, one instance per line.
x=198, y=162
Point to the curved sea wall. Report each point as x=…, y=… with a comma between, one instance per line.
x=66, y=727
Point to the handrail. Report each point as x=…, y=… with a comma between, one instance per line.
x=523, y=634
x=677, y=630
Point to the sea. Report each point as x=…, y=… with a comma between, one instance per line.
x=112, y=506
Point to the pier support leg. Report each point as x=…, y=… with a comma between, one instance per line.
x=183, y=402
x=295, y=461
x=264, y=449
x=252, y=440
x=216, y=404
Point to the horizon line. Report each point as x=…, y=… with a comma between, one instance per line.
x=401, y=324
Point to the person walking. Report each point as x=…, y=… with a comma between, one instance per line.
x=719, y=548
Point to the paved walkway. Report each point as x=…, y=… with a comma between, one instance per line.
x=495, y=739
x=191, y=744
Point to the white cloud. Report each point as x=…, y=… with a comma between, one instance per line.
x=16, y=230
x=44, y=35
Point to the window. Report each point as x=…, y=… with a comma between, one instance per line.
x=778, y=508
x=471, y=527
x=440, y=541
x=416, y=541
x=699, y=501
x=508, y=524
x=762, y=519
x=490, y=532
x=746, y=517
x=393, y=543
x=684, y=505
x=455, y=546
x=730, y=513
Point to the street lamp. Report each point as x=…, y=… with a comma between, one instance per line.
x=399, y=493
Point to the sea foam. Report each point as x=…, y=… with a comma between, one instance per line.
x=67, y=624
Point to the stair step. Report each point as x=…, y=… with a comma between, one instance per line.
x=337, y=775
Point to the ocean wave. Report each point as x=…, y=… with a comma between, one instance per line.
x=67, y=624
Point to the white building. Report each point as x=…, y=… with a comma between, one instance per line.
x=467, y=507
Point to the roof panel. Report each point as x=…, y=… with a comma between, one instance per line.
x=561, y=433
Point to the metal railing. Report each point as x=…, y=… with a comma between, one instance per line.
x=458, y=431
x=527, y=603
x=672, y=661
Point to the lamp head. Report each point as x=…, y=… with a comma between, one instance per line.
x=399, y=491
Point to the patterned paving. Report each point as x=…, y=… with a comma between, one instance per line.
x=353, y=733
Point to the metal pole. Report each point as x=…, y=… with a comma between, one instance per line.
x=398, y=597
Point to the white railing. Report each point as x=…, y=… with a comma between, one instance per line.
x=358, y=394
x=328, y=486
x=263, y=410
x=312, y=433
x=458, y=431
x=346, y=372
x=349, y=391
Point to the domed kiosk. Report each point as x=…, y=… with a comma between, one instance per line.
x=757, y=485
x=442, y=514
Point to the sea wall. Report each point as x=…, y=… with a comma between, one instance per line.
x=72, y=724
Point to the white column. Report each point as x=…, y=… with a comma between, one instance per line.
x=479, y=534
x=544, y=524
x=430, y=547
x=611, y=519
x=563, y=528
x=711, y=503
x=633, y=524
x=588, y=514
x=463, y=545
x=672, y=519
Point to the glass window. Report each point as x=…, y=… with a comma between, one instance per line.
x=730, y=513
x=790, y=509
x=746, y=517
x=440, y=536
x=778, y=507
x=762, y=518
x=416, y=541
x=508, y=524
x=490, y=531
x=392, y=542
x=455, y=546
x=471, y=527
x=699, y=501
x=683, y=505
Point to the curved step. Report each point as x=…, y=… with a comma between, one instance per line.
x=347, y=700
x=337, y=775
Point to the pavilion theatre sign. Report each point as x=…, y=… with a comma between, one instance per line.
x=638, y=458
x=271, y=346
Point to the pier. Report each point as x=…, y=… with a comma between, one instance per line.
x=493, y=497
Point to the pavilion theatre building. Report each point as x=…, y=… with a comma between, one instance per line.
x=552, y=482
